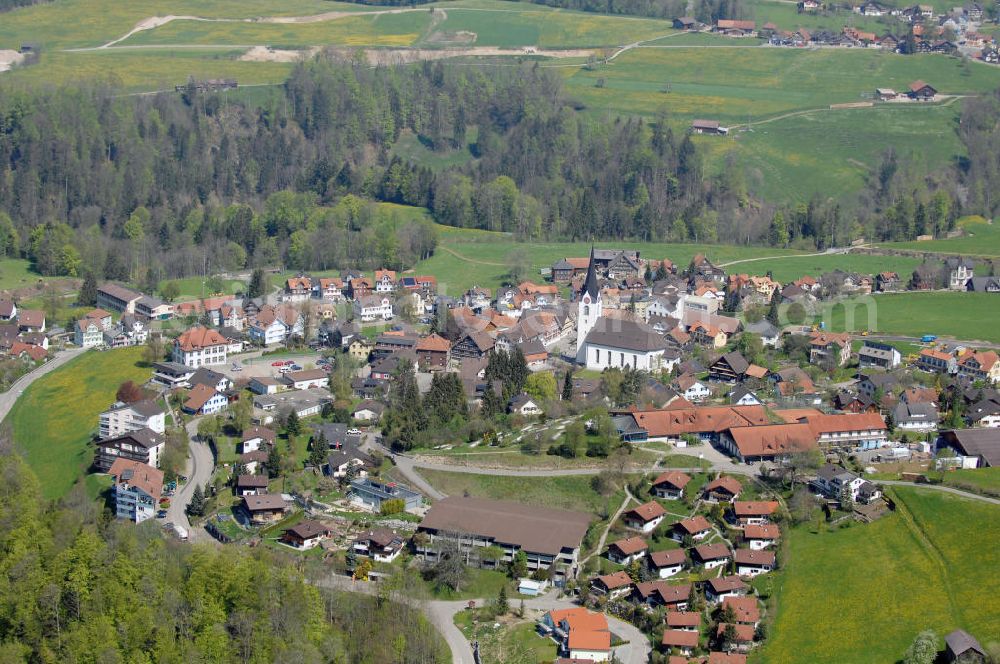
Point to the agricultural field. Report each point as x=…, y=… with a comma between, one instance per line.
x=749, y=82
x=18, y=273
x=786, y=16
x=982, y=238
x=194, y=287
x=933, y=549
x=52, y=422
x=948, y=314
x=835, y=152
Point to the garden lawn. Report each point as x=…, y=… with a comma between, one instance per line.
x=961, y=315
x=862, y=594
x=54, y=419
x=567, y=492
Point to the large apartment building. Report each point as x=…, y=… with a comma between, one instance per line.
x=123, y=418
x=200, y=346
x=136, y=489
x=144, y=445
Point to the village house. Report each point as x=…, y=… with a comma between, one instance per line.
x=976, y=365
x=682, y=641
x=298, y=289
x=369, y=308
x=624, y=551
x=136, y=489
x=667, y=563
x=254, y=437
x=888, y=282
x=205, y=400
x=347, y=461
x=381, y=545
x=200, y=346
x=874, y=354
x=121, y=418
x=368, y=410
x=920, y=416
x=433, y=352
x=662, y=593
x=644, y=518
x=306, y=534
x=613, y=585
x=581, y=635
x=711, y=556
x=263, y=509
x=143, y=445
x=828, y=347
x=723, y=489
x=718, y=588
x=251, y=485
x=691, y=388
x=751, y=563
x=754, y=512
x=670, y=485
x=960, y=270
x=88, y=333
x=275, y=324
x=759, y=537
x=696, y=527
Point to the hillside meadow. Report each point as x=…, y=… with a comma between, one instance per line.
x=923, y=567
x=53, y=421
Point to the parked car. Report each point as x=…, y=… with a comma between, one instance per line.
x=289, y=363
x=162, y=514
x=277, y=363
x=296, y=367
x=354, y=432
x=237, y=367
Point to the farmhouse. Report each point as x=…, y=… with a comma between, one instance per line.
x=708, y=127
x=829, y=347
x=921, y=91
x=547, y=536
x=981, y=446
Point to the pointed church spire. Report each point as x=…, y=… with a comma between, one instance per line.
x=590, y=285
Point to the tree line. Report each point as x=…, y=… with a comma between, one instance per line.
x=147, y=188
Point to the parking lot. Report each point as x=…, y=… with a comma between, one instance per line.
x=255, y=365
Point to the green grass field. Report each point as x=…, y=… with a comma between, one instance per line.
x=569, y=492
x=193, y=288
x=966, y=316
x=835, y=152
x=17, y=273
x=983, y=479
x=862, y=594
x=981, y=239
x=54, y=419
x=787, y=17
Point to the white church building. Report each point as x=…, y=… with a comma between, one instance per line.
x=604, y=342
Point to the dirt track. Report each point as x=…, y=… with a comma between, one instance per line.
x=8, y=59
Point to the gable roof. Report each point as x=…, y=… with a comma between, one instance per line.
x=647, y=511
x=138, y=474
x=707, y=419
x=725, y=483
x=753, y=557
x=199, y=396
x=755, y=507
x=694, y=525
x=625, y=334
x=674, y=478
x=667, y=557
x=630, y=545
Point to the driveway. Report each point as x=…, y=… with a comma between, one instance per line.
x=8, y=398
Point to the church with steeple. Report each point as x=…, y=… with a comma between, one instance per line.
x=589, y=308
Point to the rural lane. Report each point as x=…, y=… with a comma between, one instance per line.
x=200, y=464
x=442, y=615
x=8, y=398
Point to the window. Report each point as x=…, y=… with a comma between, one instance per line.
x=586, y=310
x=597, y=355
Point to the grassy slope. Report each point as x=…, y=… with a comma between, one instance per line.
x=893, y=578
x=17, y=273
x=55, y=418
x=980, y=478
x=955, y=314
x=572, y=492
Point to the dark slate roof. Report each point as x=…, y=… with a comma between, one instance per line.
x=590, y=285
x=960, y=641
x=626, y=334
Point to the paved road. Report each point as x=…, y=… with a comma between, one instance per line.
x=442, y=616
x=8, y=398
x=200, y=465
x=944, y=489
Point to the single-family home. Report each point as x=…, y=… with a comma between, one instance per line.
x=275, y=324
x=264, y=508
x=645, y=517
x=251, y=485
x=761, y=537
x=662, y=593
x=717, y=589
x=723, y=489
x=136, y=489
x=829, y=347
x=711, y=556
x=624, y=551
x=381, y=545
x=614, y=585
x=696, y=527
x=683, y=641
x=255, y=437
x=667, y=563
x=205, y=400
x=306, y=534
x=691, y=388
x=345, y=461
x=205, y=376
x=919, y=416
x=670, y=485
x=751, y=562
x=689, y=621
x=581, y=635
x=368, y=410
x=754, y=512
x=523, y=404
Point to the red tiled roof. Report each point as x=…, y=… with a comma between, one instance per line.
x=674, y=478
x=198, y=338
x=755, y=507
x=630, y=545
x=647, y=511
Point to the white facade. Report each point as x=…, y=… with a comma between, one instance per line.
x=121, y=419
x=371, y=309
x=599, y=358
x=201, y=357
x=671, y=570
x=588, y=312
x=590, y=655
x=697, y=392
x=90, y=336
x=133, y=503
x=275, y=333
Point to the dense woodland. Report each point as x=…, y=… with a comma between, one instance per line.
x=78, y=587
x=152, y=187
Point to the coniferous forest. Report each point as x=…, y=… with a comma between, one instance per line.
x=92, y=181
